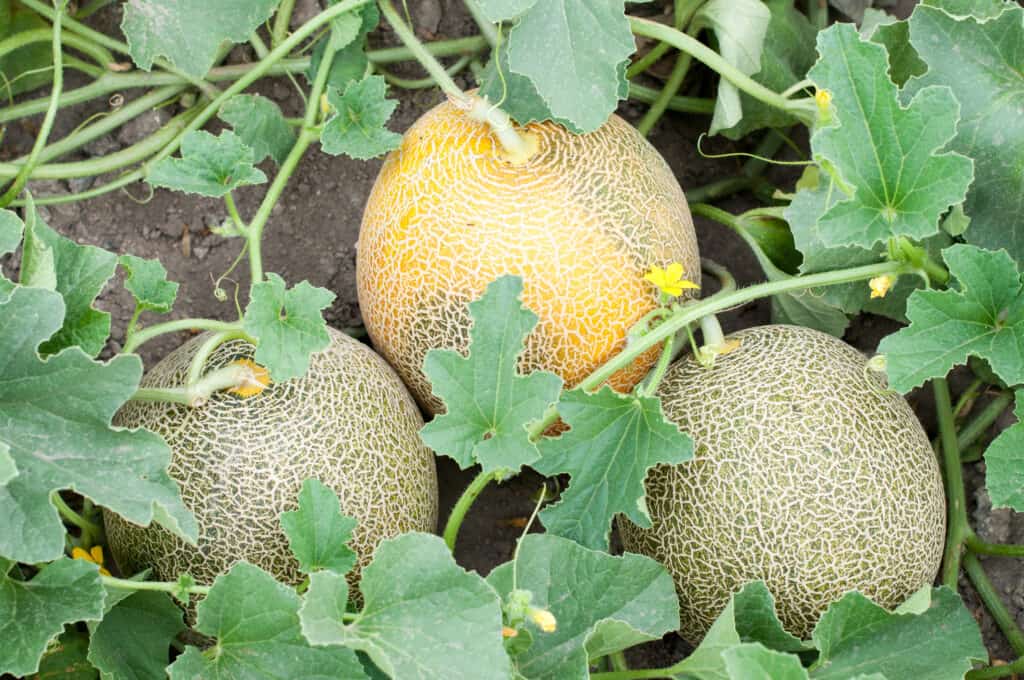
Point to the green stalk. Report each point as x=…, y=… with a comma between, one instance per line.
x=162, y=586
x=111, y=44
x=135, y=153
x=981, y=422
x=108, y=123
x=804, y=109
x=995, y=671
x=681, y=15
x=987, y=593
x=101, y=56
x=196, y=394
x=478, y=109
x=648, y=95
x=653, y=379
x=198, y=363
x=423, y=83
x=719, y=189
x=638, y=674
x=980, y=547
x=51, y=113
x=146, y=334
x=957, y=528
x=672, y=85
x=462, y=506
x=91, y=8
x=726, y=281
x=282, y=21
x=88, y=529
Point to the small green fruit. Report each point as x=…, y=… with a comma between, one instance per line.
x=349, y=422
x=807, y=474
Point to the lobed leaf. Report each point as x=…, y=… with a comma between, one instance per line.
x=78, y=273
x=189, y=32
x=984, y=317
x=288, y=325
x=602, y=604
x=260, y=124
x=133, y=639
x=423, y=615
x=256, y=622
x=33, y=612
x=855, y=636
x=147, y=281
x=613, y=441
x=209, y=166
x=318, y=531
x=357, y=126
x=986, y=78
x=752, y=660
x=489, y=404
x=55, y=418
x=350, y=61
x=887, y=155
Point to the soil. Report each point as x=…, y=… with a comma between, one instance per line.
x=312, y=235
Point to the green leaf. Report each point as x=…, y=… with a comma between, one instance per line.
x=740, y=27
x=757, y=621
x=260, y=124
x=707, y=661
x=602, y=604
x=857, y=637
x=256, y=622
x=521, y=100
x=979, y=9
x=503, y=10
x=613, y=441
x=209, y=166
x=55, y=417
x=803, y=214
x=189, y=32
x=288, y=324
x=357, y=126
x=894, y=36
x=147, y=281
x=786, y=55
x=984, y=317
x=1004, y=462
x=318, y=532
x=572, y=51
x=11, y=228
x=17, y=65
x=489, y=405
x=423, y=615
x=8, y=470
x=899, y=183
x=34, y=612
x=78, y=273
x=986, y=78
x=66, y=658
x=753, y=661
x=133, y=639
x=350, y=61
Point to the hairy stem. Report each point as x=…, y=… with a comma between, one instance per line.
x=980, y=547
x=462, y=506
x=163, y=586
x=716, y=190
x=803, y=109
x=957, y=528
x=977, y=426
x=198, y=393
x=146, y=334
x=647, y=95
x=995, y=671
x=1003, y=618
x=89, y=529
x=51, y=114
x=101, y=56
x=281, y=22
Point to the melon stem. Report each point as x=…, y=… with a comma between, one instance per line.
x=516, y=145
x=465, y=502
x=957, y=528
x=197, y=394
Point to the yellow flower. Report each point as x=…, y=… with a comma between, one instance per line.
x=258, y=379
x=670, y=281
x=880, y=285
x=823, y=98
x=95, y=555
x=507, y=632
x=544, y=619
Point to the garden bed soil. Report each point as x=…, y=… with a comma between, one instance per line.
x=312, y=235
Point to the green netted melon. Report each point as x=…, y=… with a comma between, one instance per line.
x=349, y=422
x=807, y=474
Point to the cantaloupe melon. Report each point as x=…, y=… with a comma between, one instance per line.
x=349, y=422
x=581, y=221
x=807, y=474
